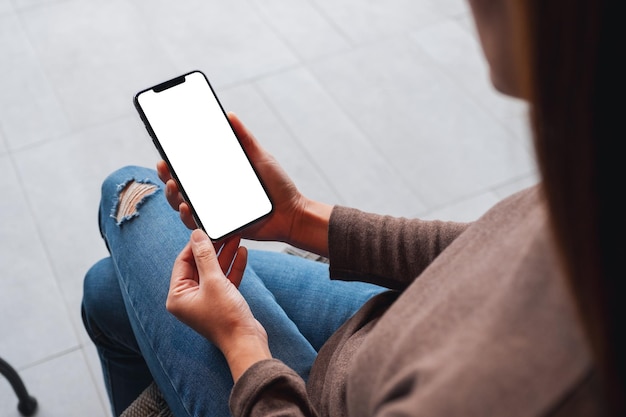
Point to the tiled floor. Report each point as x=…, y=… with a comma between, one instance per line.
x=385, y=106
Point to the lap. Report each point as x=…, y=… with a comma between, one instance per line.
x=304, y=290
x=293, y=298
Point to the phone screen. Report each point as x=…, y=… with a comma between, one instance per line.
x=192, y=133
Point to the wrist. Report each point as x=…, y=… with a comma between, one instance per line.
x=310, y=228
x=244, y=353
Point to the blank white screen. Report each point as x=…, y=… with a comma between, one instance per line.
x=206, y=156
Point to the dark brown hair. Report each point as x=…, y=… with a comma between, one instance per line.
x=575, y=90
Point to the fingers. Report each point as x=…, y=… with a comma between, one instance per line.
x=239, y=266
x=183, y=264
x=177, y=203
x=246, y=137
x=174, y=196
x=228, y=251
x=183, y=281
x=232, y=259
x=186, y=216
x=203, y=253
x=163, y=171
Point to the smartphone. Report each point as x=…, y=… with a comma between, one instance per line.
x=190, y=129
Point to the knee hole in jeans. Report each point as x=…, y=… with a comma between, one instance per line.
x=132, y=194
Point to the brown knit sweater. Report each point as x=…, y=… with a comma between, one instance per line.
x=478, y=322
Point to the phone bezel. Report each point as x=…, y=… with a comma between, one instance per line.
x=172, y=82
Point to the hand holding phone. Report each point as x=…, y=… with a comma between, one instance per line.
x=286, y=198
x=213, y=173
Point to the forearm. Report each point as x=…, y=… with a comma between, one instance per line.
x=385, y=250
x=310, y=229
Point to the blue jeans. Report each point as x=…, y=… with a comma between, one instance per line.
x=138, y=341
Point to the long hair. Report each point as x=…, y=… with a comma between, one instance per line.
x=575, y=89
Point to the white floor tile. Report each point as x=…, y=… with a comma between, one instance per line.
x=5, y=7
x=24, y=4
x=369, y=21
x=457, y=52
x=308, y=32
x=96, y=55
x=451, y=8
x=62, y=180
x=29, y=109
x=33, y=316
x=360, y=174
x=3, y=146
x=62, y=387
x=226, y=39
x=432, y=131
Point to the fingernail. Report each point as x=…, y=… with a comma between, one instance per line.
x=199, y=236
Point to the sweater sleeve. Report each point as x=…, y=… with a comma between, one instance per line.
x=385, y=250
x=270, y=388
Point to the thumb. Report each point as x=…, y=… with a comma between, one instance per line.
x=204, y=254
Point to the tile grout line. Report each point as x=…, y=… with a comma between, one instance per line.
x=468, y=93
x=20, y=20
x=311, y=160
x=49, y=358
x=371, y=141
x=44, y=247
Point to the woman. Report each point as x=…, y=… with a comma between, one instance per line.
x=514, y=314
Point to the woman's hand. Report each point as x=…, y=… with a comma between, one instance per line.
x=295, y=219
x=204, y=295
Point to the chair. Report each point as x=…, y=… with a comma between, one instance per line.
x=150, y=403
x=27, y=405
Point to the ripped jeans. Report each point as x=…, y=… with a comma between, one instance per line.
x=138, y=341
